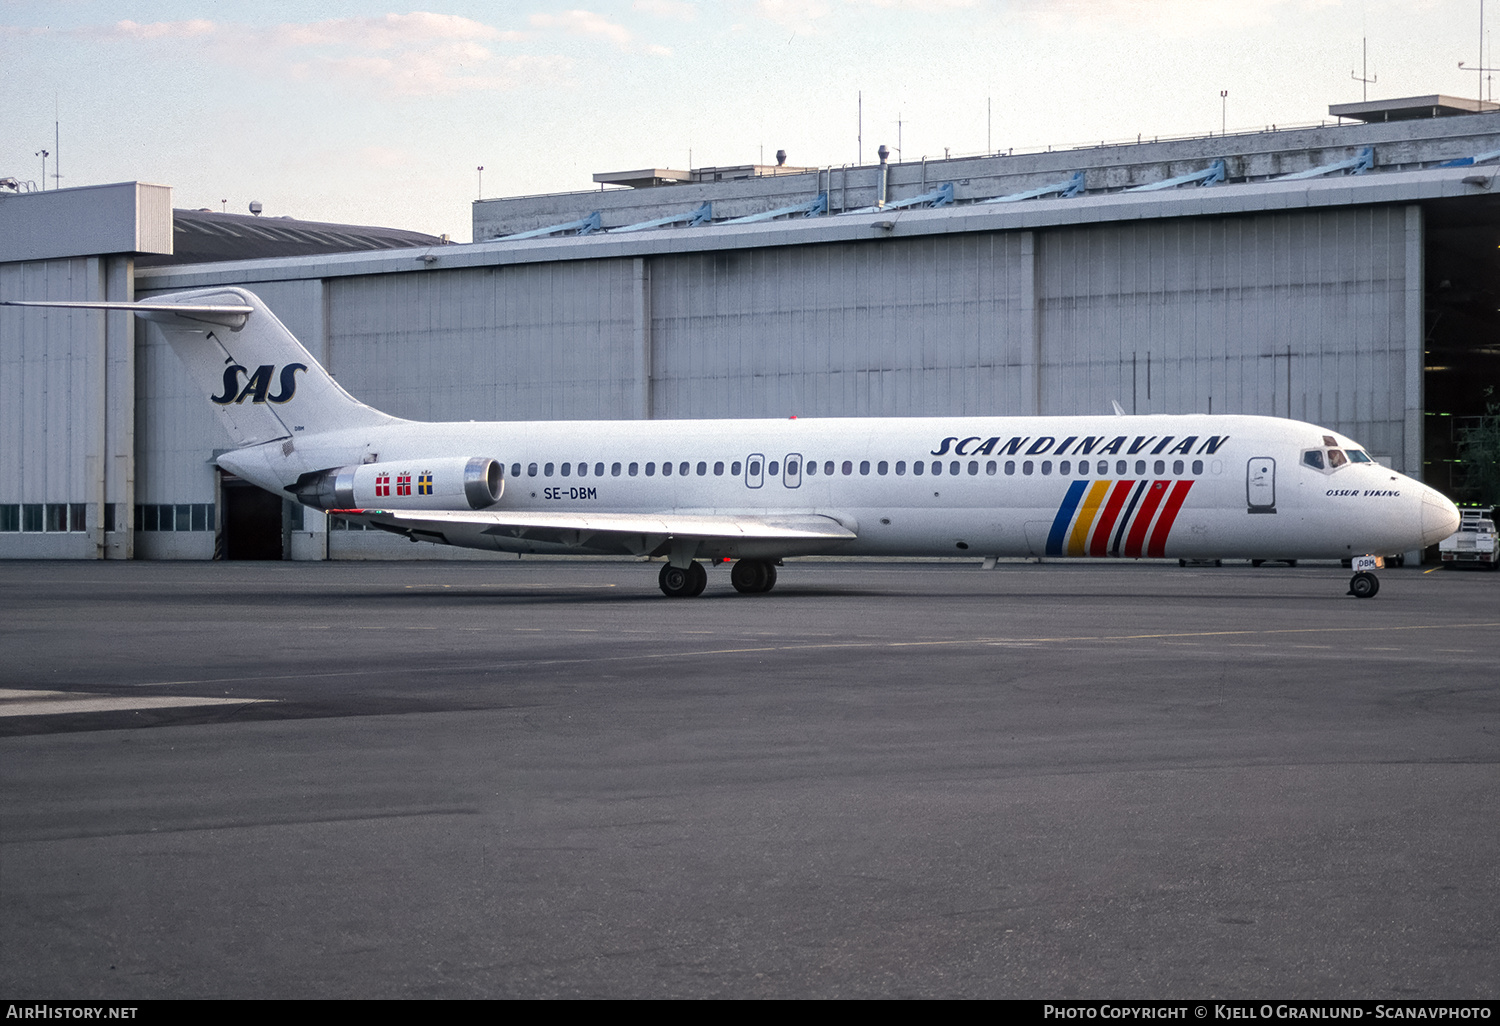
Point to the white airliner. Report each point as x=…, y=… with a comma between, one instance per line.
x=754, y=491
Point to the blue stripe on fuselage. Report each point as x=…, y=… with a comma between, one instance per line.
x=1064, y=518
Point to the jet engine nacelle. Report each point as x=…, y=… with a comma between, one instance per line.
x=451, y=482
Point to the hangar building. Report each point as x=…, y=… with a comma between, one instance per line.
x=1343, y=273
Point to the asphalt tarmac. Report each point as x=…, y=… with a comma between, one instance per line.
x=535, y=778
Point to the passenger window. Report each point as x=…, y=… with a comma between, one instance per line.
x=1027, y=467
x=937, y=467
x=1160, y=467
x=531, y=470
x=773, y=468
x=719, y=469
x=1140, y=468
x=633, y=468
x=1177, y=467
x=812, y=468
x=1103, y=467
x=990, y=468
x=734, y=468
x=1197, y=467
x=682, y=469
x=650, y=469
x=1065, y=468
x=564, y=469
x=666, y=469
x=1010, y=468
x=918, y=467
x=515, y=470
x=953, y=468
x=828, y=467
x=1120, y=467
x=848, y=468
x=1046, y=466
x=791, y=468
x=755, y=468
x=882, y=468
x=900, y=468
x=973, y=468
x=864, y=467
x=614, y=470
x=599, y=470
x=547, y=470
x=702, y=469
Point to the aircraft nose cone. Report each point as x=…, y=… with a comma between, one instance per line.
x=1439, y=517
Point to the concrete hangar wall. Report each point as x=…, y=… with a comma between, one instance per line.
x=1300, y=298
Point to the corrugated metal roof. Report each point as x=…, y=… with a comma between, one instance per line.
x=207, y=236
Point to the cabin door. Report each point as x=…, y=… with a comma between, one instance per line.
x=1260, y=484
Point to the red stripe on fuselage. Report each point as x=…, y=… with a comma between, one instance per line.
x=1142, y=522
x=1102, y=530
x=1158, y=546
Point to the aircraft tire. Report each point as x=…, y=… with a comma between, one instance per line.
x=697, y=579
x=1364, y=585
x=770, y=581
x=676, y=582
x=753, y=576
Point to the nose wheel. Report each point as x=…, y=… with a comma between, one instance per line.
x=682, y=582
x=1364, y=585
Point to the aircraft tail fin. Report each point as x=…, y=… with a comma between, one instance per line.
x=263, y=382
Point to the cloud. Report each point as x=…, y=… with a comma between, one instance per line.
x=155, y=30
x=418, y=54
x=933, y=6
x=390, y=31
x=800, y=16
x=1171, y=18
x=679, y=10
x=584, y=23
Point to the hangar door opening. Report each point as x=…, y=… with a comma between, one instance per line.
x=250, y=524
x=1462, y=343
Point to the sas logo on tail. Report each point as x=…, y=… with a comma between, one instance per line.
x=258, y=385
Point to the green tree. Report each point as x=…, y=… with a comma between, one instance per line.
x=1479, y=455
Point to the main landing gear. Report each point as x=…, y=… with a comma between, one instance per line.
x=749, y=577
x=683, y=582
x=753, y=576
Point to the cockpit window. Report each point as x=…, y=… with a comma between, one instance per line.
x=1330, y=458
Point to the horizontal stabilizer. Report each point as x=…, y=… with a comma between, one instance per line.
x=228, y=315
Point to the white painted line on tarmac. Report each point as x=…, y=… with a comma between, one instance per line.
x=21, y=702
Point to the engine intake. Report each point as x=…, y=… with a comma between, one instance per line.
x=451, y=482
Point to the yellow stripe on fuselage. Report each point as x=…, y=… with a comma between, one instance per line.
x=1078, y=540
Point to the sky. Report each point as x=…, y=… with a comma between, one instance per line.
x=363, y=113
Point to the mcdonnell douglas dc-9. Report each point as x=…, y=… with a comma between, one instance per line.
x=1187, y=487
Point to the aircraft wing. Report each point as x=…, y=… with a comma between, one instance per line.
x=634, y=532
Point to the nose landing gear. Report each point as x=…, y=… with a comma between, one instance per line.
x=1364, y=583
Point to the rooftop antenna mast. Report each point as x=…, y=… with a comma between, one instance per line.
x=1364, y=75
x=56, y=143
x=1481, y=69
